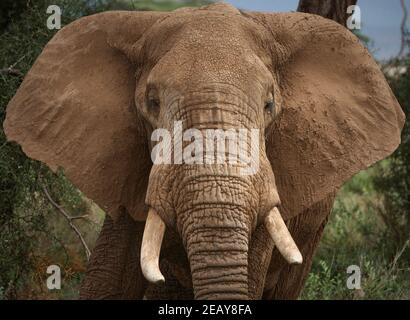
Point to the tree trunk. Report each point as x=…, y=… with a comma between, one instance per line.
x=331, y=9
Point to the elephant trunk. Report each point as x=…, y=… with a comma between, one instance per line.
x=218, y=258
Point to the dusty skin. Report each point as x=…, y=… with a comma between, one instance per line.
x=104, y=82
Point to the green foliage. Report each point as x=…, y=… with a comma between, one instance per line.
x=357, y=234
x=10, y=10
x=394, y=180
x=324, y=282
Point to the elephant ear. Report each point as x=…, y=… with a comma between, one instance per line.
x=339, y=115
x=75, y=110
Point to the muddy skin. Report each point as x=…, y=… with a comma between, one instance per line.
x=104, y=83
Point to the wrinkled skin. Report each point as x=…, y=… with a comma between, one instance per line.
x=127, y=73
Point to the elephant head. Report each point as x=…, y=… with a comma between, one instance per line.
x=105, y=83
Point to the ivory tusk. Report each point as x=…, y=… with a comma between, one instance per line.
x=281, y=237
x=151, y=247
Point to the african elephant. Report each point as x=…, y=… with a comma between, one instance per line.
x=106, y=82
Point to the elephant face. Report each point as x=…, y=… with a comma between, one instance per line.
x=106, y=83
x=210, y=78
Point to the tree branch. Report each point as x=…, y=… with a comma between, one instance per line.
x=403, y=28
x=12, y=72
x=79, y=217
x=70, y=221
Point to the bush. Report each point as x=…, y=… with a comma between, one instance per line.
x=358, y=235
x=394, y=180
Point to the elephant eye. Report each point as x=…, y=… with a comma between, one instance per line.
x=153, y=104
x=270, y=106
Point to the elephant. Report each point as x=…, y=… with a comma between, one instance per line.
x=105, y=83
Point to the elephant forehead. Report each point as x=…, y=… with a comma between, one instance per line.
x=203, y=29
x=182, y=67
x=206, y=45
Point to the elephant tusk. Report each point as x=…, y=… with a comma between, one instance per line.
x=151, y=247
x=281, y=237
